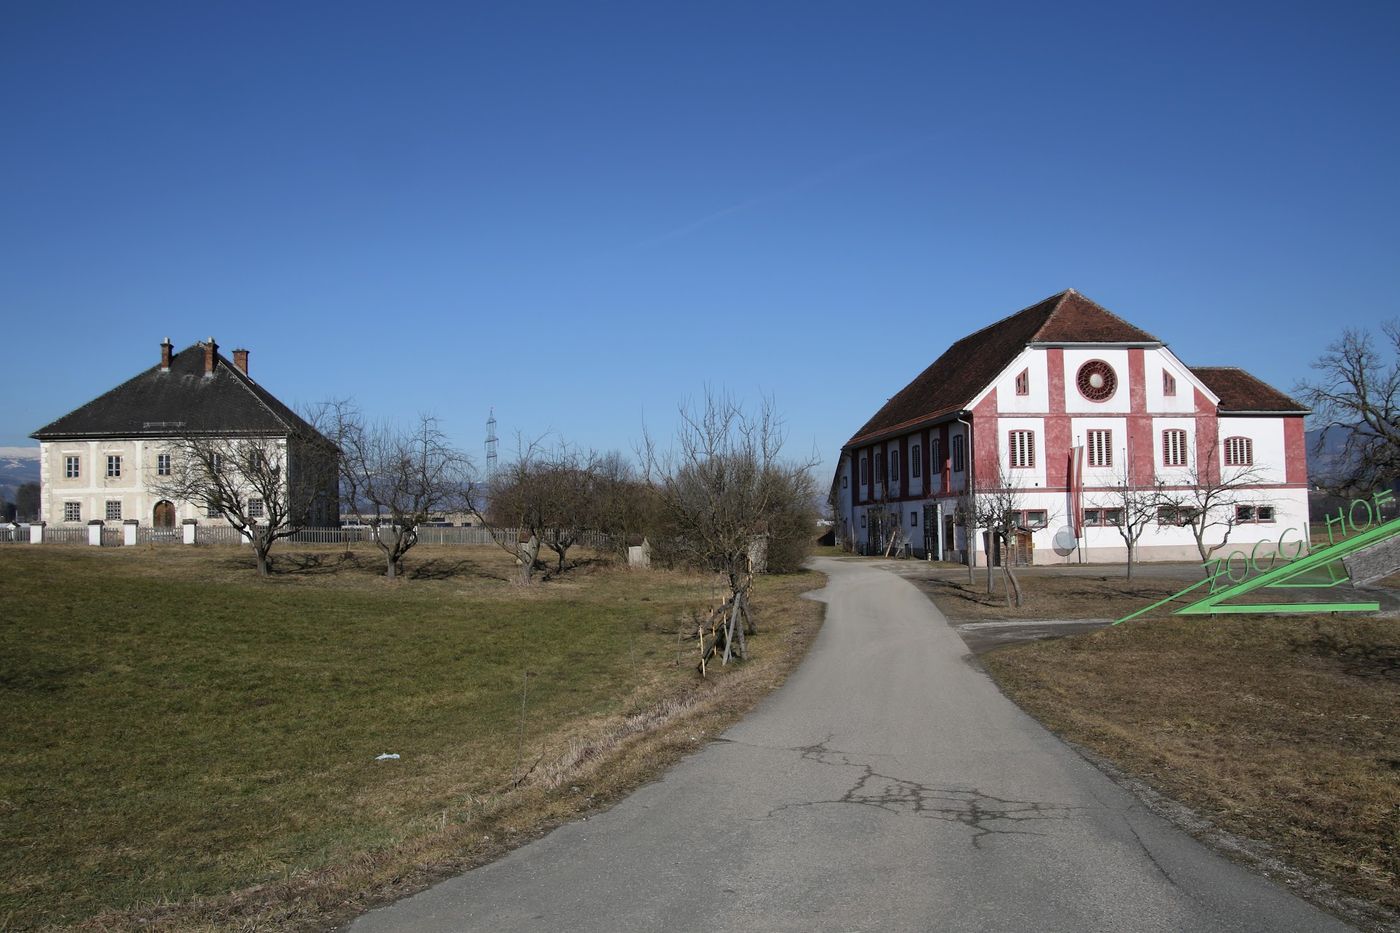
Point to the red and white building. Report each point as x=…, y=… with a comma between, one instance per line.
x=1065, y=402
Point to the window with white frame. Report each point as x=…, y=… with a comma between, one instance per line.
x=1176, y=514
x=1100, y=448
x=114, y=510
x=959, y=458
x=72, y=468
x=72, y=512
x=211, y=512
x=1168, y=383
x=1096, y=517
x=162, y=464
x=114, y=465
x=1174, y=448
x=255, y=508
x=216, y=462
x=1239, y=451
x=935, y=453
x=1253, y=513
x=1022, y=449
x=916, y=462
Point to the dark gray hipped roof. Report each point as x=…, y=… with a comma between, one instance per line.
x=182, y=400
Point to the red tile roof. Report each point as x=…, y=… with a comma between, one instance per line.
x=968, y=366
x=1241, y=392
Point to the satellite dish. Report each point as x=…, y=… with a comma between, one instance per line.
x=1065, y=542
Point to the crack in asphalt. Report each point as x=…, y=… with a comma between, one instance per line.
x=985, y=814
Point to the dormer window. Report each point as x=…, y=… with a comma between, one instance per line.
x=1168, y=383
x=1023, y=383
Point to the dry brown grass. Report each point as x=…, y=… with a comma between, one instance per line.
x=609, y=709
x=1052, y=592
x=1280, y=729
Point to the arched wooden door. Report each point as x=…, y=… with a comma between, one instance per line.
x=164, y=514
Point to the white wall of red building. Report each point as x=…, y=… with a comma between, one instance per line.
x=898, y=483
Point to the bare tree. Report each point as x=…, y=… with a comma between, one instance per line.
x=394, y=479
x=1130, y=509
x=553, y=495
x=997, y=507
x=724, y=484
x=268, y=488
x=625, y=505
x=27, y=498
x=1358, y=393
x=1208, y=498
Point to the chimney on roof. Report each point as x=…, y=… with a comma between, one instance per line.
x=167, y=349
x=211, y=353
x=240, y=359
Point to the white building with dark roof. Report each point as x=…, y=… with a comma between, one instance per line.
x=1066, y=403
x=107, y=459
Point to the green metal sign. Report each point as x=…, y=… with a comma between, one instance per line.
x=1241, y=574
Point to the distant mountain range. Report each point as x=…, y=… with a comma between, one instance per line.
x=1326, y=460
x=18, y=465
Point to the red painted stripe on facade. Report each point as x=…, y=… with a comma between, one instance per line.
x=1139, y=422
x=985, y=440
x=1295, y=451
x=1207, y=438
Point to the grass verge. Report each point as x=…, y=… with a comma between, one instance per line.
x=190, y=747
x=1279, y=729
x=1050, y=592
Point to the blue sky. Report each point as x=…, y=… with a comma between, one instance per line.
x=582, y=214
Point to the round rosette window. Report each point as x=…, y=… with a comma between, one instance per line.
x=1097, y=381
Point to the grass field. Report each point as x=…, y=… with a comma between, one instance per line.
x=1052, y=592
x=189, y=746
x=1280, y=729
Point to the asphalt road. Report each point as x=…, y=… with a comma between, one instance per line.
x=887, y=786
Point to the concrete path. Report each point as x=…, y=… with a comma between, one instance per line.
x=888, y=786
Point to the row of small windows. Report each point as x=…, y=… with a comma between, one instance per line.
x=1177, y=515
x=72, y=466
x=1239, y=451
x=73, y=511
x=916, y=462
x=1036, y=519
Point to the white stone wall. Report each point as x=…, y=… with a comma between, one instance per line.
x=1034, y=362
x=1031, y=477
x=1269, y=448
x=1155, y=362
x=93, y=488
